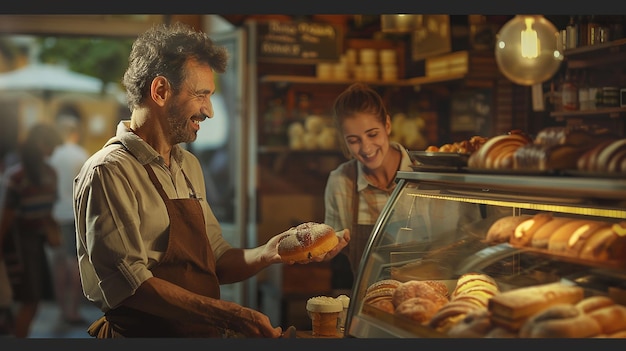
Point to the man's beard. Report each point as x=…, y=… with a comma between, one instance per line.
x=179, y=127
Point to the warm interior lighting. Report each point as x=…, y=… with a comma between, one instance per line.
x=526, y=49
x=530, y=44
x=401, y=23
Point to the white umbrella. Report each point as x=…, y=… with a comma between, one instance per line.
x=46, y=77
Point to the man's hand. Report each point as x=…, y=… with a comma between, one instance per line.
x=253, y=324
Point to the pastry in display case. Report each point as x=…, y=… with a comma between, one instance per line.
x=472, y=255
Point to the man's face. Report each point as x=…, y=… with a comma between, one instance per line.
x=192, y=105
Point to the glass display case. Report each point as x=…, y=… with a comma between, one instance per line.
x=435, y=224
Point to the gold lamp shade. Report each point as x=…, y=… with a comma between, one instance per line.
x=526, y=49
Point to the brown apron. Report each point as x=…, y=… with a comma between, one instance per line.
x=359, y=233
x=187, y=262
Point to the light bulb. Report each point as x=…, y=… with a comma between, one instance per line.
x=529, y=42
x=526, y=49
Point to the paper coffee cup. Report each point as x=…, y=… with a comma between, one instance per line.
x=324, y=312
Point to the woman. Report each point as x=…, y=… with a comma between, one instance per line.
x=358, y=189
x=29, y=191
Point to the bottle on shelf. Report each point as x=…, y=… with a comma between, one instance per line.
x=571, y=34
x=583, y=92
x=569, y=91
x=592, y=30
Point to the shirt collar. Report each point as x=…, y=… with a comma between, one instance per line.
x=405, y=165
x=138, y=147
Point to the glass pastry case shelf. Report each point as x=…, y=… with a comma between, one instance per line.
x=434, y=227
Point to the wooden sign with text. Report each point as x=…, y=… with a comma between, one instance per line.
x=298, y=42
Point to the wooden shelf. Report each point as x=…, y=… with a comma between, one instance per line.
x=286, y=150
x=415, y=81
x=612, y=112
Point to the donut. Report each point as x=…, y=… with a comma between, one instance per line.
x=306, y=241
x=417, y=288
x=419, y=309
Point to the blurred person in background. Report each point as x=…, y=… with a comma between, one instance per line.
x=29, y=191
x=358, y=189
x=67, y=159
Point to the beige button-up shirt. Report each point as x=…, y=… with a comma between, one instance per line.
x=122, y=221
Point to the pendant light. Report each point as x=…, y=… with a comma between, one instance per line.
x=526, y=49
x=401, y=23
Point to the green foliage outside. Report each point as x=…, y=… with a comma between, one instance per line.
x=104, y=58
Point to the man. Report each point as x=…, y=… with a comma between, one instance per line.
x=150, y=250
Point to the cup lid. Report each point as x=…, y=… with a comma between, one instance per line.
x=324, y=304
x=345, y=300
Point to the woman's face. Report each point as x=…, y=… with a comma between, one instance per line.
x=367, y=138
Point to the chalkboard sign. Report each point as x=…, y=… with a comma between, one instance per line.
x=298, y=42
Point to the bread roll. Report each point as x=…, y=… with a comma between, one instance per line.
x=542, y=235
x=384, y=305
x=560, y=321
x=439, y=287
x=473, y=280
x=500, y=332
x=617, y=163
x=450, y=314
x=306, y=241
x=547, y=158
x=610, y=318
x=579, y=237
x=606, y=244
x=419, y=309
x=497, y=152
x=559, y=240
x=383, y=284
x=524, y=232
x=502, y=229
x=587, y=162
x=607, y=153
x=416, y=288
x=476, y=324
x=593, y=303
x=511, y=308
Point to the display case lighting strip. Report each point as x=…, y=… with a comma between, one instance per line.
x=578, y=210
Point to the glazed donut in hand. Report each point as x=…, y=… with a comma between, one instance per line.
x=306, y=241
